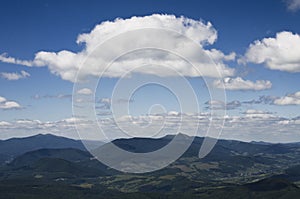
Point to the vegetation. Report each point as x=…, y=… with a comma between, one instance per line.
x=232, y=170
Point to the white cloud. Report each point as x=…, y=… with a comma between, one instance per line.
x=294, y=121
x=291, y=99
x=119, y=100
x=15, y=76
x=105, y=101
x=104, y=105
x=6, y=104
x=66, y=63
x=218, y=56
x=28, y=122
x=173, y=113
x=256, y=125
x=279, y=53
x=240, y=84
x=9, y=105
x=259, y=114
x=2, y=99
x=58, y=96
x=219, y=105
x=85, y=91
x=264, y=99
x=4, y=123
x=255, y=112
x=4, y=58
x=293, y=5
x=72, y=120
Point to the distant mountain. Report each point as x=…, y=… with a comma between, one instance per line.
x=72, y=155
x=14, y=147
x=144, y=145
x=228, y=158
x=233, y=169
x=141, y=145
x=260, y=142
x=224, y=149
x=64, y=162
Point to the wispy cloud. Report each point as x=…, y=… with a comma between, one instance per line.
x=293, y=5
x=255, y=125
x=217, y=105
x=105, y=103
x=259, y=114
x=58, y=96
x=14, y=76
x=289, y=99
x=264, y=99
x=85, y=91
x=6, y=59
x=239, y=83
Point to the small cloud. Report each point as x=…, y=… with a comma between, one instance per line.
x=2, y=99
x=6, y=59
x=251, y=113
x=173, y=113
x=4, y=123
x=264, y=99
x=233, y=105
x=238, y=83
x=85, y=91
x=104, y=113
x=119, y=101
x=15, y=76
x=72, y=120
x=6, y=104
x=219, y=105
x=125, y=101
x=105, y=100
x=279, y=53
x=58, y=96
x=105, y=103
x=290, y=99
x=293, y=5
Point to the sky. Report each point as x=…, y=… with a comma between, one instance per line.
x=150, y=68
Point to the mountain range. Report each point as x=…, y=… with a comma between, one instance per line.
x=43, y=164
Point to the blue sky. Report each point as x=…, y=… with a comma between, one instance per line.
x=264, y=84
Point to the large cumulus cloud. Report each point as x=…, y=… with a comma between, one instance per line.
x=66, y=63
x=279, y=53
